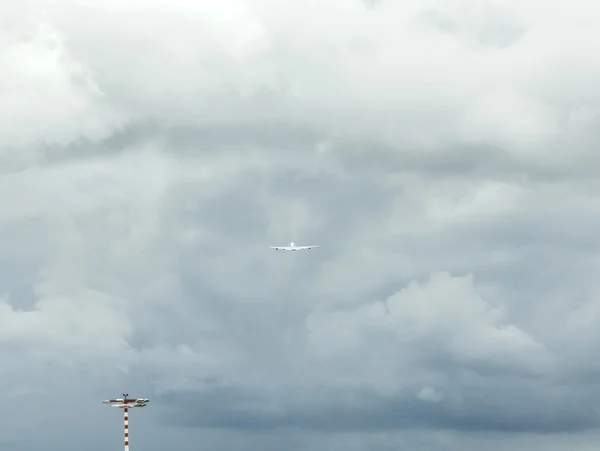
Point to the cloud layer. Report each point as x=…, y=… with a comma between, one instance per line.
x=443, y=154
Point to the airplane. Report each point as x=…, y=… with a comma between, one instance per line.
x=293, y=247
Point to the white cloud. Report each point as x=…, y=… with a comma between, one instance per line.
x=87, y=320
x=47, y=96
x=398, y=71
x=444, y=316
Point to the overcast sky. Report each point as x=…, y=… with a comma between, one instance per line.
x=443, y=153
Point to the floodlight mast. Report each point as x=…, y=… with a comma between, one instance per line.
x=125, y=403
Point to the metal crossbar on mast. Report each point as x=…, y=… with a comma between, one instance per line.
x=126, y=403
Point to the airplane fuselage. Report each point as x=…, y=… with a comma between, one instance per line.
x=293, y=247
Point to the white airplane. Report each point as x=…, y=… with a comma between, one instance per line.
x=292, y=247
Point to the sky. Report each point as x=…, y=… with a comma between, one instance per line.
x=442, y=153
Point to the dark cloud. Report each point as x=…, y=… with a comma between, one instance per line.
x=514, y=408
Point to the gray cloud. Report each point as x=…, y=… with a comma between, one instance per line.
x=443, y=154
x=331, y=411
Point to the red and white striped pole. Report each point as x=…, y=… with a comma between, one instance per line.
x=125, y=403
x=126, y=426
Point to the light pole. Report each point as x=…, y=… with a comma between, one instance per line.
x=125, y=403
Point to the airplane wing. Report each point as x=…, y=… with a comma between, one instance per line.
x=281, y=248
x=303, y=248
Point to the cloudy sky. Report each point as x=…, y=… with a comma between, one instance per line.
x=443, y=153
